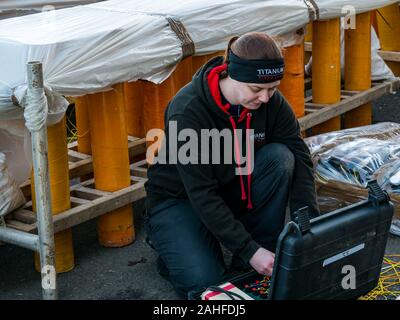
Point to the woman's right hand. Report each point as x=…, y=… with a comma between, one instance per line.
x=263, y=261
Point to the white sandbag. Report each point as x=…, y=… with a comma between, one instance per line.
x=15, y=143
x=11, y=196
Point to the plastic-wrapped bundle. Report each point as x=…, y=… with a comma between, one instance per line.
x=356, y=155
x=11, y=196
x=356, y=161
x=381, y=131
x=346, y=160
x=388, y=176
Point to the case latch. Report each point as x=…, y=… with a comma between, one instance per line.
x=375, y=192
x=303, y=219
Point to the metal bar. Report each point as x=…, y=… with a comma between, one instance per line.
x=42, y=187
x=19, y=238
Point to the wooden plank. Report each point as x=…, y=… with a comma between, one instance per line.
x=97, y=207
x=139, y=169
x=315, y=105
x=132, y=138
x=73, y=145
x=25, y=216
x=349, y=93
x=76, y=156
x=136, y=147
x=308, y=99
x=139, y=172
x=136, y=179
x=78, y=201
x=104, y=202
x=15, y=224
x=88, y=193
x=389, y=55
x=308, y=111
x=351, y=103
x=85, y=166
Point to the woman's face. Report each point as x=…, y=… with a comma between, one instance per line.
x=252, y=95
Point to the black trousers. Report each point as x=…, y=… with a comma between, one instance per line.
x=189, y=254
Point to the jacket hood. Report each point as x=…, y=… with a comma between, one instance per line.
x=209, y=94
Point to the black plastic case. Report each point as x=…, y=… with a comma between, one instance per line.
x=315, y=258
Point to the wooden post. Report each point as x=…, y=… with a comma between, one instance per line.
x=357, y=72
x=326, y=69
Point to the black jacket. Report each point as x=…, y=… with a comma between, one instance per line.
x=198, y=106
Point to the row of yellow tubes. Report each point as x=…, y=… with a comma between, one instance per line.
x=133, y=108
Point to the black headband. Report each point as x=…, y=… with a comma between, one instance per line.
x=255, y=71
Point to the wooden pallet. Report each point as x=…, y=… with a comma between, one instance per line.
x=81, y=164
x=392, y=56
x=319, y=113
x=86, y=203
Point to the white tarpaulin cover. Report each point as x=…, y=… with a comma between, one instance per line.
x=38, y=4
x=88, y=48
x=16, y=8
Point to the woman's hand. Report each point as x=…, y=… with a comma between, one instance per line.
x=263, y=261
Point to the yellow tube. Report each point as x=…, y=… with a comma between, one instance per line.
x=215, y=54
x=308, y=38
x=111, y=163
x=326, y=69
x=182, y=74
x=357, y=73
x=197, y=62
x=134, y=102
x=292, y=84
x=60, y=197
x=157, y=96
x=82, y=125
x=374, y=22
x=389, y=32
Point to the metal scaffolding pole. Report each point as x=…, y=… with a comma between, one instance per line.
x=19, y=238
x=42, y=187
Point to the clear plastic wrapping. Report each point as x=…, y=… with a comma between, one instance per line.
x=346, y=160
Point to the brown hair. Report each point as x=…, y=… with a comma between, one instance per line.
x=253, y=46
